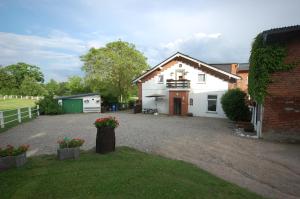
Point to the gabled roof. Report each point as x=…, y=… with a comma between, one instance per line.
x=224, y=67
x=75, y=96
x=178, y=54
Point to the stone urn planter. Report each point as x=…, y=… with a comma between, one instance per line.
x=69, y=148
x=11, y=156
x=106, y=139
x=68, y=153
x=12, y=161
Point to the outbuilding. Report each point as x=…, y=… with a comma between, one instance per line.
x=81, y=103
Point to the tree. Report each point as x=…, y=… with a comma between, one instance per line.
x=111, y=69
x=8, y=84
x=12, y=77
x=52, y=87
x=31, y=87
x=234, y=105
x=77, y=85
x=22, y=70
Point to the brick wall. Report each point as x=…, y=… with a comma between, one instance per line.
x=184, y=95
x=282, y=105
x=243, y=83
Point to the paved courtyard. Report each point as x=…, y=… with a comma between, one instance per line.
x=270, y=169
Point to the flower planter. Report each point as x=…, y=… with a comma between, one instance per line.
x=68, y=153
x=105, y=140
x=12, y=161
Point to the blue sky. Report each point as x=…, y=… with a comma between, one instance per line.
x=52, y=34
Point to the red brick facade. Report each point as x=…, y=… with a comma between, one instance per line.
x=282, y=105
x=243, y=83
x=184, y=96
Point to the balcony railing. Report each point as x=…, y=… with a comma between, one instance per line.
x=183, y=83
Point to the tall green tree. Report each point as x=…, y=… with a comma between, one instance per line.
x=52, y=87
x=22, y=70
x=111, y=69
x=12, y=77
x=32, y=87
x=77, y=85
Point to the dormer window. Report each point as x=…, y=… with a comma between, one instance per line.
x=201, y=78
x=161, y=79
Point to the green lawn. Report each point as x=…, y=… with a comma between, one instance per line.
x=126, y=173
x=15, y=103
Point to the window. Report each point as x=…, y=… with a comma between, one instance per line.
x=191, y=101
x=212, y=103
x=201, y=78
x=160, y=79
x=180, y=65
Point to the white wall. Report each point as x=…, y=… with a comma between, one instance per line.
x=90, y=103
x=198, y=91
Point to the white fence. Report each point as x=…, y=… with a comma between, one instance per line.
x=19, y=116
x=5, y=97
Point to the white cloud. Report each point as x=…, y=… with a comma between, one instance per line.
x=56, y=52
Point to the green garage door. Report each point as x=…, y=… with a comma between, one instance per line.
x=72, y=106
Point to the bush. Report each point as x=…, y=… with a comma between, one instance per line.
x=49, y=106
x=234, y=105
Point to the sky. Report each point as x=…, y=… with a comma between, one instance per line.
x=53, y=34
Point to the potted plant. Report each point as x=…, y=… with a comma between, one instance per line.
x=106, y=139
x=69, y=148
x=13, y=157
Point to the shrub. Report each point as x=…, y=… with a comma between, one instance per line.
x=49, y=106
x=106, y=122
x=70, y=143
x=234, y=105
x=12, y=151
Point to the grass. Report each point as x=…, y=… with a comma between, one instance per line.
x=125, y=173
x=10, y=106
x=15, y=103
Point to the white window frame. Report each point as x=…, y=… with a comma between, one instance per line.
x=201, y=82
x=159, y=78
x=216, y=100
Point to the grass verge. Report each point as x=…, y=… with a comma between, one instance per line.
x=126, y=173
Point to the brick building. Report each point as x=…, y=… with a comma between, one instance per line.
x=241, y=70
x=279, y=116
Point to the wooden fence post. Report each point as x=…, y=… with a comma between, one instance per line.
x=29, y=112
x=38, y=110
x=19, y=115
x=1, y=119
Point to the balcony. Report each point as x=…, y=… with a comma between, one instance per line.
x=183, y=83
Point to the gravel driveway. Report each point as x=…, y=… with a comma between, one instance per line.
x=270, y=169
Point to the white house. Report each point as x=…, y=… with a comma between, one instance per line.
x=88, y=102
x=185, y=85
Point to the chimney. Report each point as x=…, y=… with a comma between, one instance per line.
x=234, y=68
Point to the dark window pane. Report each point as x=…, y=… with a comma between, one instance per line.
x=201, y=77
x=213, y=97
x=212, y=105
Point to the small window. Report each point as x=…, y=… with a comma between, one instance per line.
x=160, y=79
x=201, y=78
x=180, y=65
x=212, y=103
x=86, y=101
x=191, y=101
